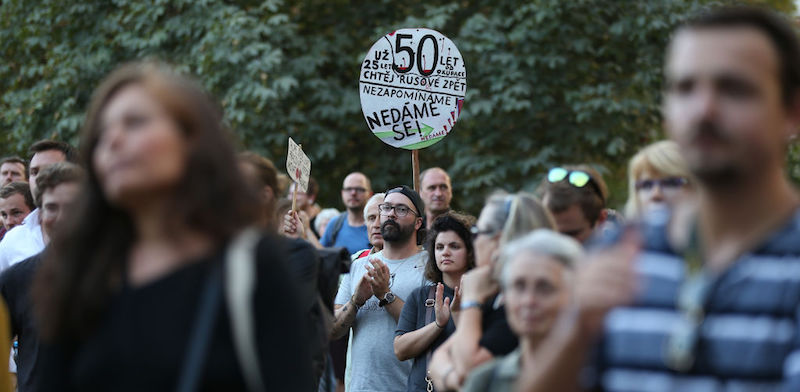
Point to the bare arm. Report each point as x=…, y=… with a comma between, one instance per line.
x=343, y=318
x=414, y=343
x=345, y=315
x=467, y=352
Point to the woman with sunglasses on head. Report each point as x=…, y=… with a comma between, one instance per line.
x=426, y=322
x=131, y=295
x=658, y=179
x=482, y=331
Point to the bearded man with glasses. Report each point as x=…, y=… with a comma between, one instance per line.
x=371, y=295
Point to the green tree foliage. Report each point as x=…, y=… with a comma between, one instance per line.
x=550, y=81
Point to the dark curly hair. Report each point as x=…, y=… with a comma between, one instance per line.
x=450, y=221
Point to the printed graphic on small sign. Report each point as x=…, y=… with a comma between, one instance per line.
x=298, y=166
x=412, y=87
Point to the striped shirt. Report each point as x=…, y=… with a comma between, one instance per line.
x=749, y=339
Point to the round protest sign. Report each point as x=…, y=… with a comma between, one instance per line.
x=412, y=87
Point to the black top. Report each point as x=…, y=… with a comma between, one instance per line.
x=15, y=286
x=411, y=319
x=497, y=336
x=140, y=342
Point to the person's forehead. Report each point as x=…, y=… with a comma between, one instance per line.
x=448, y=236
x=47, y=157
x=372, y=209
x=354, y=180
x=572, y=217
x=399, y=198
x=61, y=192
x=534, y=265
x=709, y=52
x=435, y=177
x=12, y=201
x=11, y=166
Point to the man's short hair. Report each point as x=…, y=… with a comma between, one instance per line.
x=13, y=159
x=561, y=195
x=70, y=153
x=55, y=175
x=18, y=187
x=776, y=28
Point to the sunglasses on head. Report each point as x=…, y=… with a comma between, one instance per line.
x=576, y=178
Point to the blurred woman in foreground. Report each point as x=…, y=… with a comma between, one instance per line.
x=536, y=280
x=125, y=286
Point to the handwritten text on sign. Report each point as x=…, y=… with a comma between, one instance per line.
x=298, y=166
x=412, y=87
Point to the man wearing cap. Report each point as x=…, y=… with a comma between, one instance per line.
x=576, y=196
x=371, y=296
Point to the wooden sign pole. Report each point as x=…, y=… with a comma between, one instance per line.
x=294, y=192
x=415, y=168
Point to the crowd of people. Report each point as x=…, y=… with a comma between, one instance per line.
x=157, y=257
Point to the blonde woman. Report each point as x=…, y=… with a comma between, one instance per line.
x=658, y=177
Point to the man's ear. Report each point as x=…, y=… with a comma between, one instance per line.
x=602, y=217
x=418, y=223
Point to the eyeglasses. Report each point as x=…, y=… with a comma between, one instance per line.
x=666, y=184
x=354, y=189
x=399, y=209
x=576, y=178
x=476, y=232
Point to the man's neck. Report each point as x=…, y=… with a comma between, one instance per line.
x=431, y=216
x=734, y=220
x=355, y=218
x=399, y=251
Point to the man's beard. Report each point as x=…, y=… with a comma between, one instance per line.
x=720, y=175
x=396, y=233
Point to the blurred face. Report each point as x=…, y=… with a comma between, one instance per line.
x=573, y=222
x=655, y=191
x=355, y=192
x=436, y=191
x=41, y=160
x=13, y=210
x=535, y=293
x=487, y=242
x=395, y=228
x=141, y=151
x=723, y=103
x=55, y=204
x=10, y=172
x=450, y=252
x=374, y=224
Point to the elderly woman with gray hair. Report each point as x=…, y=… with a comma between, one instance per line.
x=536, y=280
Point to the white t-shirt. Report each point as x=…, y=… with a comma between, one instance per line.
x=22, y=241
x=372, y=365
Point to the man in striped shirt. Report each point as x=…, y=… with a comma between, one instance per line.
x=711, y=300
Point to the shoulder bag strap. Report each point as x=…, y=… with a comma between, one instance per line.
x=200, y=337
x=240, y=285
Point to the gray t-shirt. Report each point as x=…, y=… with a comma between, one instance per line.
x=373, y=365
